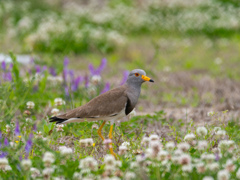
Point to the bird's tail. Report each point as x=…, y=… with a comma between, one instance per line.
x=57, y=120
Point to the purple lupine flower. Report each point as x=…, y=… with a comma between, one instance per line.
x=35, y=127
x=101, y=66
x=44, y=68
x=66, y=91
x=65, y=72
x=106, y=88
x=71, y=74
x=6, y=142
x=17, y=129
x=97, y=71
x=217, y=157
x=38, y=68
x=3, y=154
x=125, y=76
x=76, y=82
x=65, y=62
x=4, y=66
x=28, y=145
x=7, y=76
x=52, y=71
x=10, y=66
x=0, y=135
x=31, y=60
x=86, y=79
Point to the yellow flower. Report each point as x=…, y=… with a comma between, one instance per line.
x=19, y=137
x=93, y=144
x=17, y=141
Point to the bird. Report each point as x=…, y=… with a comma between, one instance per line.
x=109, y=106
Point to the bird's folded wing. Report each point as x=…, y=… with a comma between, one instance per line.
x=108, y=104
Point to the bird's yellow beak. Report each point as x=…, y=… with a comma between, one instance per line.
x=145, y=78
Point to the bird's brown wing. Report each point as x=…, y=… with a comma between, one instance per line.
x=107, y=104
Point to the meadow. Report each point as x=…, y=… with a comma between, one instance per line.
x=186, y=124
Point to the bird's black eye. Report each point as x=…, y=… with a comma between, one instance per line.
x=137, y=74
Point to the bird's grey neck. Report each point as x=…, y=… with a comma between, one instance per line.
x=133, y=92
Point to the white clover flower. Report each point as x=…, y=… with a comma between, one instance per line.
x=178, y=152
x=89, y=142
x=77, y=176
x=83, y=142
x=30, y=105
x=26, y=164
x=34, y=172
x=88, y=163
x=187, y=168
x=154, y=137
x=208, y=157
x=220, y=134
x=213, y=166
x=223, y=145
x=118, y=163
x=8, y=128
x=8, y=168
x=47, y=172
x=28, y=120
x=95, y=126
x=223, y=175
x=238, y=173
x=230, y=167
x=170, y=146
x=134, y=165
x=200, y=167
x=184, y=159
x=202, y=145
x=125, y=143
x=156, y=146
x=122, y=149
x=183, y=146
x=175, y=159
x=130, y=175
x=110, y=167
x=59, y=102
x=109, y=160
x=218, y=61
x=96, y=79
x=162, y=155
x=55, y=111
x=202, y=131
x=65, y=150
x=189, y=137
x=145, y=140
x=48, y=159
x=215, y=129
x=3, y=162
x=39, y=134
x=60, y=127
x=208, y=178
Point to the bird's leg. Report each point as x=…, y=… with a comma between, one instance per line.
x=110, y=145
x=100, y=130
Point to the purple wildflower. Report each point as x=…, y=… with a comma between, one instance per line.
x=4, y=66
x=65, y=71
x=44, y=68
x=10, y=66
x=52, y=71
x=3, y=154
x=98, y=71
x=76, y=82
x=217, y=157
x=71, y=74
x=28, y=145
x=65, y=62
x=35, y=127
x=0, y=135
x=6, y=142
x=38, y=69
x=106, y=88
x=125, y=76
x=17, y=129
x=66, y=91
x=86, y=79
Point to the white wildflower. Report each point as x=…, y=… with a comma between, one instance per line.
x=202, y=145
x=95, y=126
x=59, y=102
x=55, y=111
x=65, y=150
x=210, y=113
x=200, y=167
x=145, y=140
x=125, y=143
x=30, y=105
x=122, y=149
x=230, y=167
x=178, y=152
x=215, y=129
x=59, y=127
x=34, y=172
x=89, y=142
x=47, y=172
x=202, y=131
x=184, y=159
x=220, y=134
x=109, y=160
x=238, y=173
x=213, y=166
x=88, y=163
x=162, y=155
x=223, y=145
x=48, y=159
x=183, y=146
x=77, y=176
x=223, y=175
x=3, y=163
x=187, y=168
x=208, y=178
x=218, y=61
x=39, y=134
x=83, y=142
x=170, y=146
x=130, y=175
x=154, y=137
x=208, y=157
x=189, y=137
x=26, y=164
x=28, y=120
x=8, y=128
x=8, y=168
x=96, y=79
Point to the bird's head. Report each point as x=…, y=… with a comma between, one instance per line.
x=137, y=77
